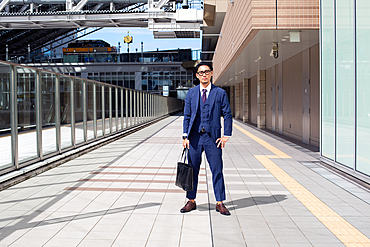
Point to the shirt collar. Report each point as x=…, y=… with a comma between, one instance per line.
x=208, y=87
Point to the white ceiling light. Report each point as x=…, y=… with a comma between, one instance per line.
x=295, y=36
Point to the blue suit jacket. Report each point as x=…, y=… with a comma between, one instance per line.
x=219, y=106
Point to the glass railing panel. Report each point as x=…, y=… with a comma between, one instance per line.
x=113, y=97
x=49, y=139
x=99, y=110
x=90, y=109
x=5, y=138
x=106, y=110
x=26, y=104
x=65, y=112
x=79, y=110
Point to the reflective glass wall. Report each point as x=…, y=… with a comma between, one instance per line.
x=43, y=114
x=345, y=76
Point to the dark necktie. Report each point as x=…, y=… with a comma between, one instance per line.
x=204, y=95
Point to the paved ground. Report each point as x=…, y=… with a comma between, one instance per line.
x=123, y=194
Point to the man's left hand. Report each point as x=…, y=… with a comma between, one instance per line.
x=222, y=141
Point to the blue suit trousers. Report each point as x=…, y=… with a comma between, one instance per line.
x=200, y=142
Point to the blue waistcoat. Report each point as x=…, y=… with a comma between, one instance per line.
x=202, y=118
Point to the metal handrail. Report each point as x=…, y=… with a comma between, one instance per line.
x=80, y=112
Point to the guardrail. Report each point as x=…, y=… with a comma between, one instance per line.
x=44, y=114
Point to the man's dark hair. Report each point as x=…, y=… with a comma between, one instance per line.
x=203, y=64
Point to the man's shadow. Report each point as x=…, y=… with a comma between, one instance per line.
x=245, y=202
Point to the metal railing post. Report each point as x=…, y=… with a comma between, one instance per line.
x=14, y=115
x=110, y=109
x=126, y=100
x=135, y=112
x=73, y=125
x=103, y=109
x=95, y=126
x=122, y=121
x=116, y=95
x=152, y=106
x=140, y=107
x=57, y=113
x=131, y=108
x=147, y=107
x=84, y=109
x=38, y=114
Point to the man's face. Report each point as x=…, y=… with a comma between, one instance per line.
x=204, y=74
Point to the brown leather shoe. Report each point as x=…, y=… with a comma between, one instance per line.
x=188, y=207
x=222, y=209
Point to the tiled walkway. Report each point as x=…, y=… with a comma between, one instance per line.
x=123, y=194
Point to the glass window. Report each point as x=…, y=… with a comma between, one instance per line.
x=113, y=95
x=26, y=103
x=65, y=112
x=106, y=109
x=5, y=143
x=99, y=110
x=120, y=100
x=79, y=110
x=90, y=109
x=363, y=86
x=345, y=83
x=49, y=141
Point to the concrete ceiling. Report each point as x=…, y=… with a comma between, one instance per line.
x=256, y=56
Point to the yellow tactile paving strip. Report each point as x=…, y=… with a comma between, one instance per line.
x=268, y=146
x=341, y=228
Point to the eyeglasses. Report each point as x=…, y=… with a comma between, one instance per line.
x=206, y=72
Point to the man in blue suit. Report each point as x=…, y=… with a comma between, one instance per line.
x=204, y=106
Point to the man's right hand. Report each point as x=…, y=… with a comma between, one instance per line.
x=185, y=143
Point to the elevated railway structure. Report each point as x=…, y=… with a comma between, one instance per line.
x=27, y=25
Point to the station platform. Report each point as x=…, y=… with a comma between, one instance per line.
x=123, y=194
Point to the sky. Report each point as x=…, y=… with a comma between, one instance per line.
x=115, y=35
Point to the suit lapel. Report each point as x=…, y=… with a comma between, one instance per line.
x=195, y=103
x=212, y=97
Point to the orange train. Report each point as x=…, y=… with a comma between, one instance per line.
x=89, y=46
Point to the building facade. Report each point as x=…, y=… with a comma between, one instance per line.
x=168, y=73
x=267, y=57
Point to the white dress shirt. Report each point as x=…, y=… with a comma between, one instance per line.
x=208, y=89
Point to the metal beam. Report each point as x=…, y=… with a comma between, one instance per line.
x=24, y=7
x=98, y=6
x=115, y=23
x=80, y=5
x=154, y=20
x=3, y=4
x=160, y=4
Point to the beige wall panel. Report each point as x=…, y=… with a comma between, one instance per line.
x=253, y=99
x=232, y=101
x=292, y=97
x=315, y=95
x=237, y=100
x=241, y=103
x=269, y=79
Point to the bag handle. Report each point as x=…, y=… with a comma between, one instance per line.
x=186, y=152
